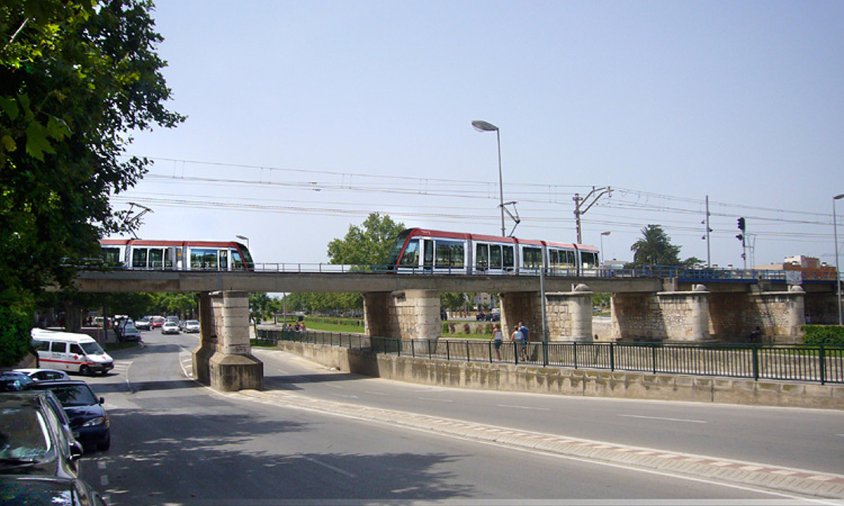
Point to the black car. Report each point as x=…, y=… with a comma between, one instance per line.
x=33, y=440
x=47, y=490
x=88, y=419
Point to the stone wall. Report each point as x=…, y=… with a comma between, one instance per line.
x=577, y=382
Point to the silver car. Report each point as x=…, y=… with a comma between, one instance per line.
x=170, y=328
x=191, y=326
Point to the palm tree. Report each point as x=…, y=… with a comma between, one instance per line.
x=654, y=248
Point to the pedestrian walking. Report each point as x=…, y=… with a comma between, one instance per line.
x=525, y=339
x=497, y=340
x=518, y=341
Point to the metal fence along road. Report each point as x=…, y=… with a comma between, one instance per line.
x=815, y=364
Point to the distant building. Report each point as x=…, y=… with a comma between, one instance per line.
x=810, y=268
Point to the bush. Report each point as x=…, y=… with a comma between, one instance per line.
x=444, y=329
x=823, y=335
x=15, y=324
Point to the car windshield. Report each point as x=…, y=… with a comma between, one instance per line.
x=24, y=436
x=74, y=395
x=92, y=348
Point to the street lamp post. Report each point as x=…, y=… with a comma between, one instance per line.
x=245, y=239
x=837, y=269
x=603, y=257
x=483, y=126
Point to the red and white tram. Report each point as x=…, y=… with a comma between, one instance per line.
x=422, y=250
x=146, y=254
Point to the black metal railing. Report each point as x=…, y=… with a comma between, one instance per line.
x=815, y=364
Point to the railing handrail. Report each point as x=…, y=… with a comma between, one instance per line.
x=815, y=364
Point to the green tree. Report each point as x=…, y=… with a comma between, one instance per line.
x=654, y=248
x=77, y=77
x=367, y=245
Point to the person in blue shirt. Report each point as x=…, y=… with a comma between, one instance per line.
x=525, y=339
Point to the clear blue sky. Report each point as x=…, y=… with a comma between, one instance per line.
x=304, y=116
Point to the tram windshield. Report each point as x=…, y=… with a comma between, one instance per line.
x=397, y=247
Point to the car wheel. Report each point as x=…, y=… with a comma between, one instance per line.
x=85, y=370
x=105, y=445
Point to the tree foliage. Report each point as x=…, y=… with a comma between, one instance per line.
x=77, y=77
x=368, y=244
x=654, y=248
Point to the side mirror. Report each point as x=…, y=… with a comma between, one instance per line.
x=76, y=450
x=102, y=400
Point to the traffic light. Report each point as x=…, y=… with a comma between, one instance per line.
x=740, y=237
x=741, y=224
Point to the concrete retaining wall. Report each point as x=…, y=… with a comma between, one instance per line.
x=588, y=383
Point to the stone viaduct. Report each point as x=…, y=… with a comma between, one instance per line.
x=408, y=307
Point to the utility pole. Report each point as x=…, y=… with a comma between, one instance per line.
x=594, y=195
x=708, y=230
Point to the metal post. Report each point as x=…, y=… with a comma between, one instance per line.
x=837, y=269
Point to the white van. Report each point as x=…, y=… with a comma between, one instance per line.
x=70, y=352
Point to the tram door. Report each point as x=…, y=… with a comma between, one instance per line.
x=428, y=255
x=224, y=260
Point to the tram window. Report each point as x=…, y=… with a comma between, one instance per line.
x=449, y=254
x=482, y=256
x=494, y=256
x=139, y=258
x=429, y=254
x=532, y=258
x=509, y=257
x=224, y=260
x=111, y=256
x=203, y=259
x=410, y=258
x=168, y=258
x=156, y=259
x=237, y=262
x=589, y=259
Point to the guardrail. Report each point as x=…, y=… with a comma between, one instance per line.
x=814, y=364
x=684, y=274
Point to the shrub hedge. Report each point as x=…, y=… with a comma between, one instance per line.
x=826, y=335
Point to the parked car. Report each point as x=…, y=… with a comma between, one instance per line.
x=157, y=321
x=170, y=328
x=13, y=381
x=88, y=419
x=129, y=333
x=34, y=441
x=143, y=324
x=191, y=326
x=48, y=490
x=44, y=374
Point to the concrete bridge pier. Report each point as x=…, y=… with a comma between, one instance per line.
x=404, y=314
x=223, y=359
x=570, y=315
x=679, y=316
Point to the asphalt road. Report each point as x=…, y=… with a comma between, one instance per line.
x=177, y=442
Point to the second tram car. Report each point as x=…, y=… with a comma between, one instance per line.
x=146, y=254
x=422, y=250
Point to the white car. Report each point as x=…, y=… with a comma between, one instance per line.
x=44, y=374
x=170, y=328
x=191, y=326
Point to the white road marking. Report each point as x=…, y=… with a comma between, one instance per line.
x=104, y=480
x=329, y=466
x=382, y=393
x=684, y=420
x=433, y=399
x=531, y=408
x=347, y=396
